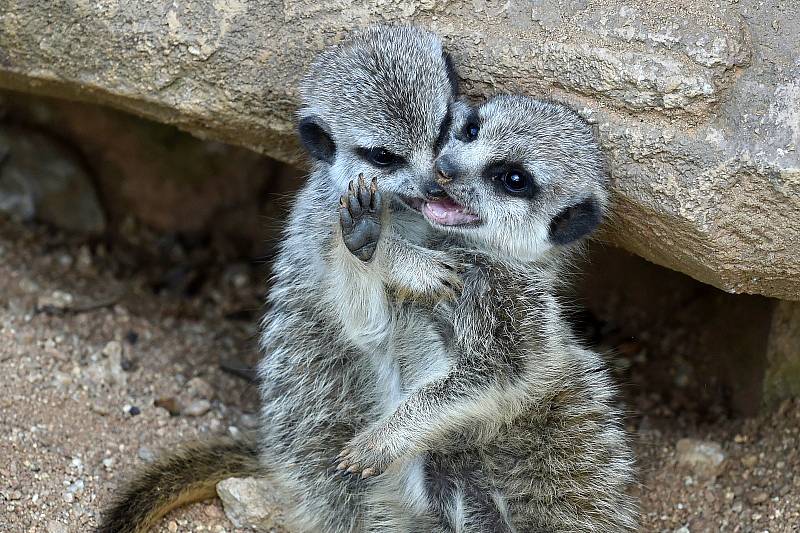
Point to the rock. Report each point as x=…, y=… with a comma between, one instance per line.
x=249, y=421
x=705, y=458
x=759, y=498
x=199, y=388
x=113, y=353
x=107, y=369
x=146, y=454
x=170, y=403
x=782, y=377
x=54, y=526
x=54, y=301
x=250, y=503
x=696, y=103
x=197, y=408
x=42, y=179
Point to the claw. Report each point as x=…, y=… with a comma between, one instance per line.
x=343, y=202
x=342, y=465
x=353, y=469
x=368, y=472
x=373, y=185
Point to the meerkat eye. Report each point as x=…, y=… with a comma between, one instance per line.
x=381, y=157
x=471, y=130
x=514, y=181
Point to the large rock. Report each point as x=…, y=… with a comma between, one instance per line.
x=697, y=103
x=41, y=178
x=251, y=503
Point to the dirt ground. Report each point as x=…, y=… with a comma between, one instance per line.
x=90, y=340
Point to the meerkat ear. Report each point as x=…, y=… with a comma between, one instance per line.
x=575, y=221
x=316, y=137
x=452, y=75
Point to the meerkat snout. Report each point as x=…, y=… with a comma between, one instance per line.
x=433, y=190
x=446, y=170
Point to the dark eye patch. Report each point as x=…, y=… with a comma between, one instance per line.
x=511, y=178
x=380, y=157
x=444, y=130
x=471, y=128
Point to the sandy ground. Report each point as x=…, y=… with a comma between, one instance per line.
x=87, y=346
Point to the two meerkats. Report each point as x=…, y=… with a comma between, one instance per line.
x=418, y=374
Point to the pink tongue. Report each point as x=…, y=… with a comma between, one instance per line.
x=447, y=213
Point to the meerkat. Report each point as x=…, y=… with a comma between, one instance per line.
x=379, y=103
x=518, y=432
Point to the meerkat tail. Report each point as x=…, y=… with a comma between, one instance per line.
x=186, y=476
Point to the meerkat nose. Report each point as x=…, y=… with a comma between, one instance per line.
x=445, y=171
x=434, y=191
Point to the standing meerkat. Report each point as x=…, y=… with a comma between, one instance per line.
x=518, y=431
x=379, y=104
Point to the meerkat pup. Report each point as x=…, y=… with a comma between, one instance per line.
x=379, y=103
x=517, y=431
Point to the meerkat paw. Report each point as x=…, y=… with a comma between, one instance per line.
x=360, y=218
x=448, y=283
x=436, y=280
x=364, y=457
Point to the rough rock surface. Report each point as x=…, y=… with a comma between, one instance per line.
x=703, y=458
x=697, y=103
x=250, y=503
x=42, y=179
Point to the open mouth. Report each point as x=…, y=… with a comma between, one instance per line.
x=443, y=211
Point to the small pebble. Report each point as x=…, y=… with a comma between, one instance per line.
x=705, y=458
x=133, y=411
x=248, y=421
x=131, y=337
x=197, y=408
x=199, y=388
x=54, y=526
x=750, y=461
x=146, y=454
x=99, y=409
x=172, y=526
x=170, y=403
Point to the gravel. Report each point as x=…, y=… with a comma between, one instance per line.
x=69, y=438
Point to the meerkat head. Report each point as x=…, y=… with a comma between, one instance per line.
x=379, y=104
x=517, y=177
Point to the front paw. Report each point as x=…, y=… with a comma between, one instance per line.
x=360, y=218
x=435, y=280
x=366, y=456
x=446, y=281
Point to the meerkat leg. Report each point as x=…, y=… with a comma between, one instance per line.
x=487, y=378
x=442, y=407
x=461, y=496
